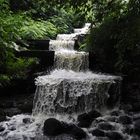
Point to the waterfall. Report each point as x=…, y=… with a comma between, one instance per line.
x=68, y=92
x=57, y=45
x=71, y=88
x=65, y=55
x=71, y=60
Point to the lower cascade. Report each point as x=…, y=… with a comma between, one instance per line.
x=69, y=92
x=70, y=102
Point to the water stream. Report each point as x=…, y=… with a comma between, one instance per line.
x=69, y=90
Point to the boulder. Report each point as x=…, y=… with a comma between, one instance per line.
x=128, y=129
x=125, y=119
x=106, y=126
x=53, y=127
x=98, y=132
x=76, y=132
x=86, y=119
x=26, y=120
x=114, y=135
x=112, y=119
x=1, y=128
x=115, y=113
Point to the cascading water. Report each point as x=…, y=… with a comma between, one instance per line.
x=71, y=60
x=65, y=55
x=69, y=90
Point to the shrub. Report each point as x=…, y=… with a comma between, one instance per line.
x=37, y=30
x=117, y=45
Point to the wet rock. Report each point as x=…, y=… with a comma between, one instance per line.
x=53, y=127
x=112, y=119
x=125, y=119
x=77, y=132
x=12, y=128
x=115, y=113
x=26, y=120
x=84, y=124
x=100, y=120
x=114, y=135
x=98, y=132
x=137, y=127
x=1, y=128
x=86, y=119
x=136, y=117
x=128, y=129
x=106, y=126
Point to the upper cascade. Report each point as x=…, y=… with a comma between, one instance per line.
x=84, y=30
x=77, y=32
x=59, y=45
x=65, y=55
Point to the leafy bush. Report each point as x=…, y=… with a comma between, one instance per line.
x=37, y=30
x=10, y=66
x=117, y=45
x=29, y=20
x=14, y=68
x=63, y=21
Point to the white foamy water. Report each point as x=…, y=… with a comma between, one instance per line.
x=72, y=75
x=71, y=60
x=58, y=45
x=65, y=37
x=65, y=55
x=74, y=35
x=69, y=92
x=17, y=128
x=84, y=30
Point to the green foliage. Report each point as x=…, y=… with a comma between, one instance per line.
x=116, y=42
x=104, y=9
x=37, y=30
x=63, y=21
x=134, y=7
x=9, y=26
x=4, y=6
x=40, y=21
x=15, y=68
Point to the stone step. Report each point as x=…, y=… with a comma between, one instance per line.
x=34, y=44
x=46, y=57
